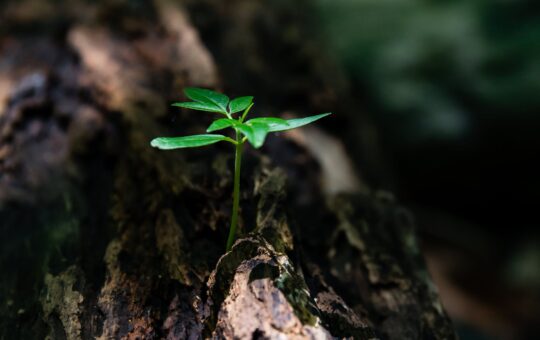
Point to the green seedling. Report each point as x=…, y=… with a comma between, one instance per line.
x=253, y=130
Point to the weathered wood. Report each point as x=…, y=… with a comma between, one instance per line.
x=104, y=237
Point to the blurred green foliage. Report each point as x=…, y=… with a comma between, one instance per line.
x=433, y=67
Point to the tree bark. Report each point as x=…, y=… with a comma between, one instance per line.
x=105, y=237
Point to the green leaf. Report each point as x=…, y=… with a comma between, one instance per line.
x=261, y=130
x=199, y=106
x=194, y=141
x=240, y=104
x=268, y=120
x=246, y=130
x=221, y=124
x=208, y=97
x=296, y=123
x=255, y=133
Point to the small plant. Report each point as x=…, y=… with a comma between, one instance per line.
x=253, y=130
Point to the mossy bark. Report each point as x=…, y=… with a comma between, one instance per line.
x=105, y=237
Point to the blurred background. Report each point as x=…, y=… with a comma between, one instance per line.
x=452, y=87
x=442, y=108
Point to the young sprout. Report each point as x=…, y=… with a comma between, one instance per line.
x=253, y=130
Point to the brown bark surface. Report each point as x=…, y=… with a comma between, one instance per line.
x=105, y=237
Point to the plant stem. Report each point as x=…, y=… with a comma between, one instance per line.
x=236, y=190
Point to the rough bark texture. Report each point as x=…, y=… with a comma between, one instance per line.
x=104, y=237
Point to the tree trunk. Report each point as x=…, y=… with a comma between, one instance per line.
x=105, y=237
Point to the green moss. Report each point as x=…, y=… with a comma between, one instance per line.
x=293, y=286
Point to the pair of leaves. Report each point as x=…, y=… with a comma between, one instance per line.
x=210, y=101
x=255, y=130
